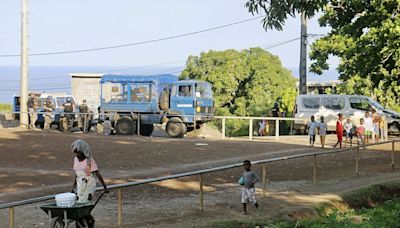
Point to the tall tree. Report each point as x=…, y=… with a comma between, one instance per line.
x=365, y=35
x=245, y=83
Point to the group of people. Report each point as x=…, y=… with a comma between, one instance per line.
x=67, y=117
x=371, y=127
x=264, y=126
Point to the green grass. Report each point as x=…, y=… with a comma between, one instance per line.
x=374, y=206
x=5, y=107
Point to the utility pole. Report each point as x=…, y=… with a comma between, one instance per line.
x=303, y=55
x=24, y=65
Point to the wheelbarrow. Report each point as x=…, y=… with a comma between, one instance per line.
x=61, y=217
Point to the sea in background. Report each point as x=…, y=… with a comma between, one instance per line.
x=57, y=78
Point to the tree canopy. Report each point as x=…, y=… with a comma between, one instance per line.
x=245, y=83
x=365, y=35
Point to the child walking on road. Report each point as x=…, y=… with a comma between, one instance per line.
x=361, y=133
x=323, y=127
x=369, y=127
x=312, y=130
x=348, y=127
x=248, y=179
x=339, y=130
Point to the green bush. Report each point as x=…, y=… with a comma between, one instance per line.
x=5, y=107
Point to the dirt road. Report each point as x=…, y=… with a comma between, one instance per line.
x=36, y=163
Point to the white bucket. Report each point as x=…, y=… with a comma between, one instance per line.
x=65, y=199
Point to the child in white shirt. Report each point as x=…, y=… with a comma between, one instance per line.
x=312, y=130
x=348, y=126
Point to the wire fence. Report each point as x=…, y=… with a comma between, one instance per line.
x=118, y=187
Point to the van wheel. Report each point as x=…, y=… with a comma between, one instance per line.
x=394, y=128
x=125, y=126
x=146, y=129
x=176, y=128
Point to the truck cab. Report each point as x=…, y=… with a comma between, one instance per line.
x=131, y=102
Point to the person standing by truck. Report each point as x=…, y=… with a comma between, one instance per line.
x=69, y=109
x=32, y=108
x=48, y=108
x=275, y=112
x=83, y=120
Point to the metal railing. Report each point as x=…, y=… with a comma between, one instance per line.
x=251, y=119
x=222, y=118
x=200, y=174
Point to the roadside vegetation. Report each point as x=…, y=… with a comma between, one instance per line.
x=375, y=206
x=245, y=83
x=364, y=35
x=5, y=107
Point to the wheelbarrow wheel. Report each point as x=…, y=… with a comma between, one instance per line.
x=58, y=223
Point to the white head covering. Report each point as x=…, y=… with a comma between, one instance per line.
x=82, y=146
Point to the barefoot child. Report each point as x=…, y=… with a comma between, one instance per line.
x=339, y=130
x=369, y=127
x=323, y=127
x=348, y=126
x=361, y=133
x=248, y=179
x=312, y=130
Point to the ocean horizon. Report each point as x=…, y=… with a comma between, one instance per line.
x=57, y=78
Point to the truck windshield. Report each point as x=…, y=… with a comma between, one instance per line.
x=203, y=90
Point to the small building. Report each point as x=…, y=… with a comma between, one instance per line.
x=86, y=86
x=322, y=87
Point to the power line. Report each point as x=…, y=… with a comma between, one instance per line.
x=141, y=67
x=50, y=88
x=267, y=47
x=280, y=43
x=136, y=43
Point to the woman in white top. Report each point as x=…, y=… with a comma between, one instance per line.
x=323, y=127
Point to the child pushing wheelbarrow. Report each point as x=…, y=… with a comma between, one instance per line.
x=85, y=169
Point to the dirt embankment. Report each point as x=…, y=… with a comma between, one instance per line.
x=36, y=163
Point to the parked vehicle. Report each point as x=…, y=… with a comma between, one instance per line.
x=58, y=100
x=329, y=106
x=128, y=99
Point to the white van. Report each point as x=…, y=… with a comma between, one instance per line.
x=329, y=106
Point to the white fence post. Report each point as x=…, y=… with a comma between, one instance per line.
x=223, y=128
x=138, y=125
x=277, y=130
x=251, y=129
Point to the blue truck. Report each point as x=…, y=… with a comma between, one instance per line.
x=130, y=102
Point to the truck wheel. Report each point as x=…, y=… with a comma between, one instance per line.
x=125, y=126
x=175, y=128
x=146, y=129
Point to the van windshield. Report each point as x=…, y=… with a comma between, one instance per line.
x=376, y=104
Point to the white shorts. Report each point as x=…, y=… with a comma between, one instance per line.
x=249, y=195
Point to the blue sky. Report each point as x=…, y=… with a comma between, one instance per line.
x=75, y=24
